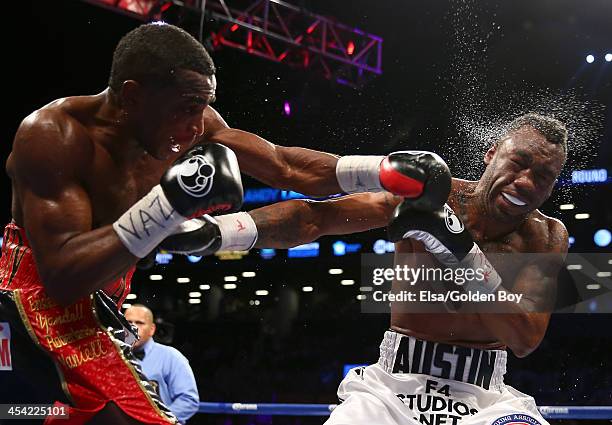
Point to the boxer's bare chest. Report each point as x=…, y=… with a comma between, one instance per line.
x=113, y=186
x=504, y=252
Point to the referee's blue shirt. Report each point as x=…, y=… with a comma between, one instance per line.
x=175, y=381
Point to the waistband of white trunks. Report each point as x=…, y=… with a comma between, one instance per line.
x=406, y=354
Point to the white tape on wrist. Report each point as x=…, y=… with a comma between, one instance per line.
x=142, y=227
x=476, y=259
x=359, y=173
x=238, y=231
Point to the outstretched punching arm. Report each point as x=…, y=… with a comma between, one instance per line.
x=282, y=225
x=408, y=173
x=291, y=223
x=303, y=170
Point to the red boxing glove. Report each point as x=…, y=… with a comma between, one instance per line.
x=421, y=176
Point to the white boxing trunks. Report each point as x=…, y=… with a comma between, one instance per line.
x=423, y=382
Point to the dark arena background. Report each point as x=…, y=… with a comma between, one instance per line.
x=280, y=326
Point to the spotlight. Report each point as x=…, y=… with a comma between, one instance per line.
x=590, y=58
x=287, y=108
x=602, y=237
x=608, y=57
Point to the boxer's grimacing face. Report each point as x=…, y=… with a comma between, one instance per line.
x=521, y=173
x=171, y=119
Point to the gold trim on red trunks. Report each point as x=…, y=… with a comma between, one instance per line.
x=28, y=326
x=128, y=365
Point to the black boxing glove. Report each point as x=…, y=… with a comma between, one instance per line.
x=205, y=179
x=444, y=235
x=421, y=176
x=198, y=236
x=206, y=235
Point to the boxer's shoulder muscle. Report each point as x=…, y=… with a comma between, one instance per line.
x=545, y=234
x=50, y=142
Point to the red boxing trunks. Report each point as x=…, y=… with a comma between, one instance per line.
x=94, y=366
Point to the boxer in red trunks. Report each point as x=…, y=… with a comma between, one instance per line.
x=97, y=184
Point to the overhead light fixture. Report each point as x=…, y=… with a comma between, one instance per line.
x=261, y=292
x=307, y=288
x=248, y=274
x=566, y=207
x=204, y=287
x=183, y=280
x=582, y=216
x=194, y=301
x=195, y=294
x=155, y=277
x=230, y=278
x=336, y=271
x=347, y=282
x=229, y=286
x=131, y=297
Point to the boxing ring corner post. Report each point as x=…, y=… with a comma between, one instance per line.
x=299, y=409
